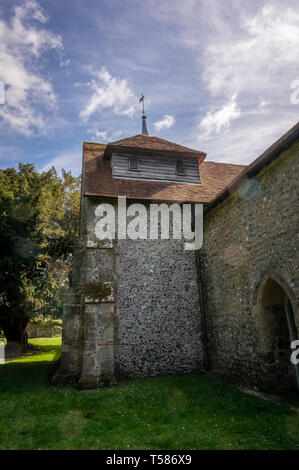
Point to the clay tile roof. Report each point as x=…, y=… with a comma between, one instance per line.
x=149, y=144
x=97, y=180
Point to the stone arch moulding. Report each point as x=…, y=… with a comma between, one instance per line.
x=271, y=274
x=291, y=317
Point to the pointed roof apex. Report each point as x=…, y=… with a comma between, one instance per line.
x=144, y=128
x=149, y=145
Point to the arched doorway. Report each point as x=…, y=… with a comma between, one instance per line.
x=278, y=330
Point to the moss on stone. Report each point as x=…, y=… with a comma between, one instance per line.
x=97, y=290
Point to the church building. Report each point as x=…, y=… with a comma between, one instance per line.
x=144, y=307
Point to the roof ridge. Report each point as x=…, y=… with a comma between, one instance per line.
x=226, y=163
x=88, y=144
x=140, y=138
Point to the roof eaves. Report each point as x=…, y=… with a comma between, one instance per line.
x=132, y=146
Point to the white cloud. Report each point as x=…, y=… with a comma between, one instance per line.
x=21, y=45
x=109, y=92
x=246, y=48
x=67, y=160
x=103, y=136
x=246, y=141
x=165, y=123
x=252, y=53
x=219, y=121
x=261, y=57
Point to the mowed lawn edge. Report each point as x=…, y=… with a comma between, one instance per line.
x=166, y=413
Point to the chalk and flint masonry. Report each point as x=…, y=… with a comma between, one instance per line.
x=135, y=311
x=138, y=308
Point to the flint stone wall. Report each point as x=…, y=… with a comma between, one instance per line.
x=247, y=238
x=133, y=310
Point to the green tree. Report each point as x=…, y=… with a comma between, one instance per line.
x=39, y=214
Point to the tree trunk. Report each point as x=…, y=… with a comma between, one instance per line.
x=12, y=350
x=14, y=328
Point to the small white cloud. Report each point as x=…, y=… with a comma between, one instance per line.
x=109, y=92
x=165, y=123
x=69, y=160
x=103, y=136
x=219, y=121
x=31, y=10
x=99, y=136
x=262, y=108
x=263, y=103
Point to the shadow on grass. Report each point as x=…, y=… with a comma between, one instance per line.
x=151, y=413
x=31, y=370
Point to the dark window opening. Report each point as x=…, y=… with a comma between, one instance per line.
x=278, y=330
x=180, y=169
x=133, y=163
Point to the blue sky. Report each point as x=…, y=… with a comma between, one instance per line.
x=217, y=76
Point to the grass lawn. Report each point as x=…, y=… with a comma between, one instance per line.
x=156, y=413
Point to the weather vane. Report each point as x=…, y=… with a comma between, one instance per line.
x=144, y=128
x=141, y=100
